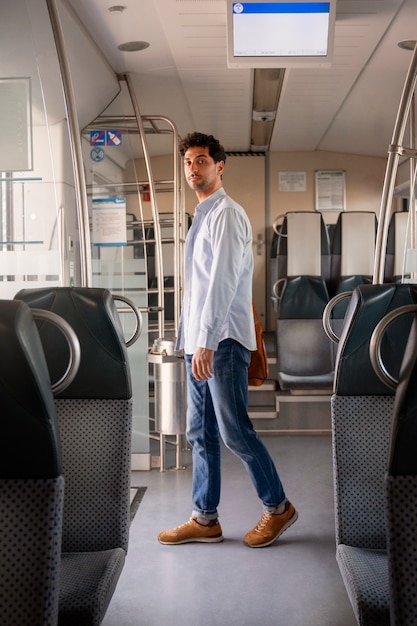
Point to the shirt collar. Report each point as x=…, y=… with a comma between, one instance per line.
x=209, y=202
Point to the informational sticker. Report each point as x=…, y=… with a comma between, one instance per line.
x=97, y=154
x=105, y=137
x=109, y=222
x=330, y=190
x=292, y=181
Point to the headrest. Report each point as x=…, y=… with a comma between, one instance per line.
x=303, y=239
x=29, y=443
x=354, y=374
x=303, y=297
x=104, y=369
x=348, y=284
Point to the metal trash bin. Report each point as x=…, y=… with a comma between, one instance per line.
x=170, y=388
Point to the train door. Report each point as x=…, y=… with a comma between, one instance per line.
x=34, y=199
x=40, y=229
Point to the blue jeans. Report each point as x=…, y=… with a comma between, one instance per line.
x=219, y=406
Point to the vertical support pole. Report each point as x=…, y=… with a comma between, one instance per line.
x=75, y=145
x=395, y=150
x=412, y=170
x=177, y=451
x=162, y=467
x=155, y=215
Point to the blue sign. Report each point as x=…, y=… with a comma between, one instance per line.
x=105, y=137
x=97, y=137
x=113, y=137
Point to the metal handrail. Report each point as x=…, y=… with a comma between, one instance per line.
x=276, y=225
x=138, y=316
x=327, y=314
x=376, y=340
x=75, y=142
x=179, y=217
x=159, y=263
x=396, y=149
x=73, y=345
x=276, y=286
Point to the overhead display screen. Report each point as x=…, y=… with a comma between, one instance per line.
x=280, y=34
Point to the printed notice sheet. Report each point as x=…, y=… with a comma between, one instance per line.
x=330, y=190
x=109, y=222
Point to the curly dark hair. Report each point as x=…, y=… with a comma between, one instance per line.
x=216, y=150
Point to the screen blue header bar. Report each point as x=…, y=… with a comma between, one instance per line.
x=240, y=8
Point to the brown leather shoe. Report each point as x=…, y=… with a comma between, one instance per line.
x=270, y=527
x=192, y=531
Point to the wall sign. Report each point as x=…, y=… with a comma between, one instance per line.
x=292, y=181
x=105, y=137
x=330, y=190
x=109, y=222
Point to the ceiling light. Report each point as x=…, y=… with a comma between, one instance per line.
x=133, y=46
x=408, y=44
x=263, y=116
x=261, y=135
x=116, y=9
x=267, y=87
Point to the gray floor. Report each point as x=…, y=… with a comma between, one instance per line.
x=294, y=582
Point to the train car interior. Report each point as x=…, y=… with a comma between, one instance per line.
x=94, y=214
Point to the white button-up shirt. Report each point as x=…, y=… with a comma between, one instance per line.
x=217, y=302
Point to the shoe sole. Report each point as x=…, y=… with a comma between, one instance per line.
x=290, y=522
x=193, y=540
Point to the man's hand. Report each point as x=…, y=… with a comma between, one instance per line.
x=202, y=364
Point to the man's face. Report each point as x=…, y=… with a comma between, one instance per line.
x=203, y=174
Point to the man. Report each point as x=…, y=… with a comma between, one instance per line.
x=217, y=335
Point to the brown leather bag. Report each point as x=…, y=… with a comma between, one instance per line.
x=258, y=368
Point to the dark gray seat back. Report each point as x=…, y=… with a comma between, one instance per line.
x=361, y=414
x=31, y=482
x=402, y=491
x=362, y=409
x=94, y=415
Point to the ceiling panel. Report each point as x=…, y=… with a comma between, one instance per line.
x=313, y=99
x=349, y=107
x=220, y=99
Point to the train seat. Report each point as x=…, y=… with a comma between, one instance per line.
x=395, y=258
x=31, y=481
x=361, y=408
x=352, y=255
x=401, y=484
x=304, y=353
x=301, y=245
x=273, y=267
x=94, y=416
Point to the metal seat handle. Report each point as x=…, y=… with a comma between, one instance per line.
x=277, y=224
x=138, y=316
x=277, y=288
x=376, y=340
x=327, y=314
x=73, y=345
